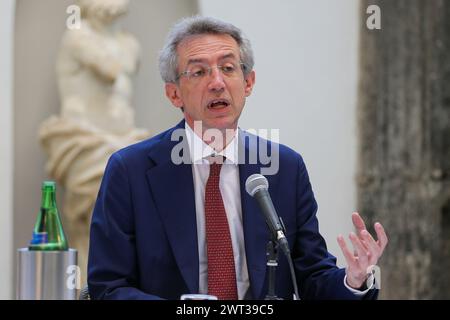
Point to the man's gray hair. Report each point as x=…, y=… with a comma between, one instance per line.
x=198, y=25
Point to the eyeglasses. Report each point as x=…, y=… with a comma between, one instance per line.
x=198, y=71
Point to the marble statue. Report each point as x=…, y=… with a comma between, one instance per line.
x=94, y=70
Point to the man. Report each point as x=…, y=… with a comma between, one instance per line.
x=162, y=228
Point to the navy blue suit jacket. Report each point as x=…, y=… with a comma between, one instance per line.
x=143, y=238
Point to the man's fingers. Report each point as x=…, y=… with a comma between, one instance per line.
x=367, y=251
x=351, y=261
x=358, y=222
x=363, y=255
x=355, y=253
x=363, y=241
x=381, y=235
x=372, y=246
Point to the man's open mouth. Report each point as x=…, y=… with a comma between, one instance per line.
x=218, y=104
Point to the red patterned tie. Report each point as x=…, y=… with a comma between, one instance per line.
x=221, y=272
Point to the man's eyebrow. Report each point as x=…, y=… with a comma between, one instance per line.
x=228, y=55
x=201, y=60
x=195, y=60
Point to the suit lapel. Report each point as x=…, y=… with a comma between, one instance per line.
x=173, y=193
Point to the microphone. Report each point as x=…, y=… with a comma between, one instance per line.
x=257, y=186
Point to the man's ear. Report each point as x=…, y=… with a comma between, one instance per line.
x=173, y=93
x=249, y=83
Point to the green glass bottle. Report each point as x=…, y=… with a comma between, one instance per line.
x=48, y=233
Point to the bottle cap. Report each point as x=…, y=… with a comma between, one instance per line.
x=48, y=184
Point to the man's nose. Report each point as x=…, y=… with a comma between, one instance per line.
x=216, y=82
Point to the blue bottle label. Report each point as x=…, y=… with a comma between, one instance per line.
x=39, y=238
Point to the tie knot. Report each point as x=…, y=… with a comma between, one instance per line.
x=214, y=169
x=215, y=164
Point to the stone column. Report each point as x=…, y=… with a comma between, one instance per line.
x=404, y=143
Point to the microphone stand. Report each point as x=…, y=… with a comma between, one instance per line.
x=272, y=263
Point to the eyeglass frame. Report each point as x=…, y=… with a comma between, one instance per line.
x=209, y=71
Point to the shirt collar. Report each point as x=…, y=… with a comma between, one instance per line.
x=199, y=150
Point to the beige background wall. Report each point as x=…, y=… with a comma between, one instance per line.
x=6, y=146
x=39, y=26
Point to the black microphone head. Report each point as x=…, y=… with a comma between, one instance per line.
x=256, y=182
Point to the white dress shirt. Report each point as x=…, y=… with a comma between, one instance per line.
x=230, y=189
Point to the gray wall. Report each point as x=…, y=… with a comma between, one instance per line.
x=39, y=27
